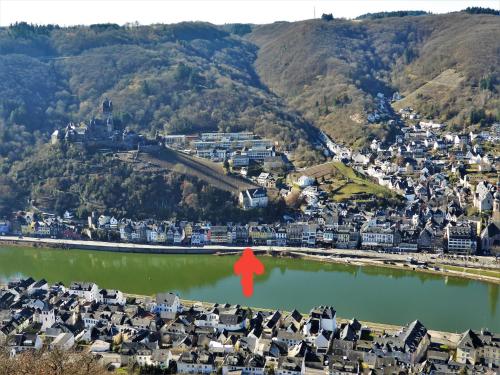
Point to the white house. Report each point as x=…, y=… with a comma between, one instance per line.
x=253, y=198
x=111, y=297
x=88, y=291
x=327, y=316
x=167, y=303
x=375, y=236
x=483, y=198
x=195, y=363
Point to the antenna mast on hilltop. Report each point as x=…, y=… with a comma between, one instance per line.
x=314, y=12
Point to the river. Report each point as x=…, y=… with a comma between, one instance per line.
x=368, y=293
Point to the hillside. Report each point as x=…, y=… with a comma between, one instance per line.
x=181, y=78
x=345, y=184
x=72, y=177
x=278, y=80
x=331, y=70
x=166, y=160
x=273, y=79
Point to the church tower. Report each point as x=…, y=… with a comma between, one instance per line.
x=496, y=207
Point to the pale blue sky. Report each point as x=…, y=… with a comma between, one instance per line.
x=71, y=12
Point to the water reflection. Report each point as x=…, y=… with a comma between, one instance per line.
x=371, y=293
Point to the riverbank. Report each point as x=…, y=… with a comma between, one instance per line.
x=479, y=268
x=442, y=269
x=370, y=293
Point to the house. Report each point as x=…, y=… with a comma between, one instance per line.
x=231, y=321
x=294, y=233
x=309, y=235
x=198, y=237
x=103, y=221
x=143, y=356
x=192, y=362
x=88, y=291
x=4, y=227
x=161, y=358
x=238, y=160
x=253, y=198
x=479, y=347
x=261, y=234
x=47, y=317
x=291, y=366
x=409, y=345
x=266, y=180
x=289, y=338
x=111, y=297
x=259, y=153
x=64, y=341
x=167, y=303
x=322, y=341
x=461, y=238
x=360, y=159
x=251, y=364
x=409, y=241
x=219, y=234
x=327, y=317
x=377, y=237
x=24, y=341
x=483, y=197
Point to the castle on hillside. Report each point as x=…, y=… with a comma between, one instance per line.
x=100, y=132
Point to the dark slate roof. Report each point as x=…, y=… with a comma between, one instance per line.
x=166, y=298
x=469, y=340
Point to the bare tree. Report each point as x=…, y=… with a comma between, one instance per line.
x=49, y=362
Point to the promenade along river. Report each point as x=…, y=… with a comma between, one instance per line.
x=368, y=293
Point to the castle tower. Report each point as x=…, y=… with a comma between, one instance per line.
x=107, y=110
x=107, y=107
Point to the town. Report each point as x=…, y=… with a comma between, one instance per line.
x=430, y=190
x=175, y=336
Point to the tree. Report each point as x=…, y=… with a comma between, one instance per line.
x=487, y=82
x=327, y=17
x=53, y=362
x=481, y=10
x=226, y=166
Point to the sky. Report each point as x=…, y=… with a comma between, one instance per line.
x=84, y=12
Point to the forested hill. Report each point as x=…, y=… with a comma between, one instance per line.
x=273, y=79
x=446, y=66
x=278, y=80
x=181, y=78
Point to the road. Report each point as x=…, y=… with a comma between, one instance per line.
x=483, y=269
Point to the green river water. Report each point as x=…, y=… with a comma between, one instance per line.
x=368, y=293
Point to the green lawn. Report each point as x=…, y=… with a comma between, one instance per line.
x=356, y=184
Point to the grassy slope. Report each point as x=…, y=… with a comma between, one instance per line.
x=344, y=182
x=357, y=184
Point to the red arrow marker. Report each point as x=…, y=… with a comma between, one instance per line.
x=246, y=266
